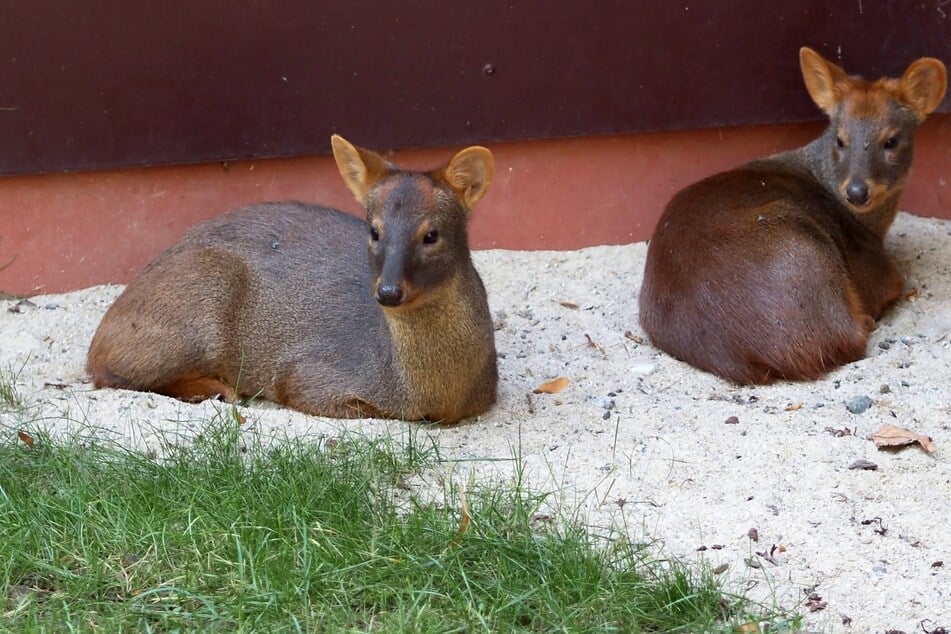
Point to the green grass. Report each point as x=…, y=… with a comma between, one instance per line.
x=10, y=398
x=298, y=537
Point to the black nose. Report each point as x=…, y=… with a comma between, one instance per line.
x=857, y=193
x=389, y=295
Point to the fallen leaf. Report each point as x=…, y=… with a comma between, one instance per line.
x=768, y=557
x=794, y=407
x=591, y=343
x=552, y=387
x=26, y=438
x=891, y=436
x=466, y=516
x=571, y=305
x=630, y=335
x=748, y=628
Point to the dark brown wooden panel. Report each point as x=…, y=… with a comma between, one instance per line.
x=113, y=83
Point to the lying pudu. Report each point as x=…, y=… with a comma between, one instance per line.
x=323, y=312
x=776, y=269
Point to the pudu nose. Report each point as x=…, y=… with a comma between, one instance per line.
x=857, y=193
x=389, y=295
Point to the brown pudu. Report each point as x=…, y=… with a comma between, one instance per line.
x=776, y=269
x=280, y=300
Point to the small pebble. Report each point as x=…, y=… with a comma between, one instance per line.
x=643, y=368
x=732, y=420
x=864, y=465
x=884, y=389
x=858, y=404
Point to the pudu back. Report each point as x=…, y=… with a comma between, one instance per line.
x=316, y=309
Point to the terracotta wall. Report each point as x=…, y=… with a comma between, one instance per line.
x=66, y=231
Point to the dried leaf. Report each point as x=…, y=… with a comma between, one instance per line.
x=26, y=438
x=630, y=335
x=768, y=556
x=748, y=628
x=591, y=343
x=794, y=407
x=552, y=387
x=466, y=518
x=891, y=436
x=571, y=305
x=238, y=416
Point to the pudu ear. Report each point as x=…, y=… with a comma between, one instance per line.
x=360, y=169
x=923, y=85
x=827, y=83
x=469, y=173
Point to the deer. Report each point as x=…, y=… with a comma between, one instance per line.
x=777, y=269
x=316, y=309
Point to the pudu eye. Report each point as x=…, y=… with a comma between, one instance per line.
x=890, y=143
x=839, y=142
x=374, y=234
x=431, y=237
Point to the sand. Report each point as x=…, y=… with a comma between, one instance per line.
x=638, y=441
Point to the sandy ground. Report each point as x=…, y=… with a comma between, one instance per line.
x=639, y=441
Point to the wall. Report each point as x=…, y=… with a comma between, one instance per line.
x=63, y=232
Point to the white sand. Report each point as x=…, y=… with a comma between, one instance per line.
x=638, y=440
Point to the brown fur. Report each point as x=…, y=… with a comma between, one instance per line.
x=777, y=269
x=280, y=300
